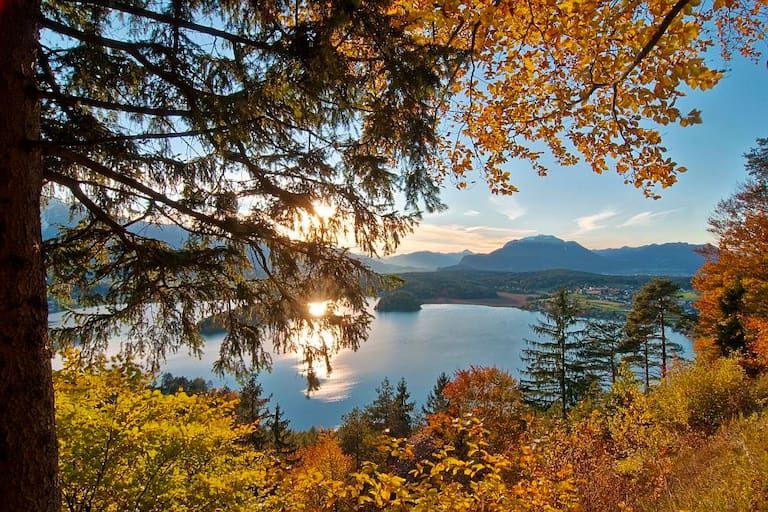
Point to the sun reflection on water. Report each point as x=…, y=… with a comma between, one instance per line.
x=317, y=348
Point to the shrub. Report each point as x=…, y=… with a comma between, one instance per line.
x=705, y=394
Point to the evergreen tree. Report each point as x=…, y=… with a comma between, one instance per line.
x=555, y=370
x=605, y=342
x=169, y=384
x=356, y=437
x=401, y=418
x=241, y=123
x=654, y=310
x=252, y=408
x=280, y=436
x=730, y=337
x=379, y=411
x=391, y=411
x=641, y=351
x=436, y=402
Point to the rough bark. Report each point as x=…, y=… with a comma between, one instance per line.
x=662, y=321
x=28, y=452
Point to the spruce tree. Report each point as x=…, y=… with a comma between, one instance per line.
x=280, y=436
x=605, y=343
x=252, y=408
x=436, y=402
x=391, y=410
x=401, y=417
x=170, y=384
x=379, y=411
x=356, y=437
x=271, y=134
x=730, y=337
x=654, y=311
x=555, y=370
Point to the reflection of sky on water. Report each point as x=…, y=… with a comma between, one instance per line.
x=335, y=386
x=415, y=346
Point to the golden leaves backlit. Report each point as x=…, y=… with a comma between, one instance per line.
x=577, y=79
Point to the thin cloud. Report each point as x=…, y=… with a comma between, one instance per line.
x=492, y=216
x=592, y=222
x=508, y=207
x=492, y=229
x=455, y=237
x=644, y=218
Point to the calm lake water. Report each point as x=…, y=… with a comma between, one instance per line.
x=415, y=346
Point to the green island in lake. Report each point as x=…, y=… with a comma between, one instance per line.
x=398, y=301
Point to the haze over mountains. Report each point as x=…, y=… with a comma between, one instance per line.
x=545, y=252
x=531, y=254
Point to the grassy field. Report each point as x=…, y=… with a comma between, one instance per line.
x=689, y=295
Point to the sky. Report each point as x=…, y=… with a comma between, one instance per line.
x=600, y=211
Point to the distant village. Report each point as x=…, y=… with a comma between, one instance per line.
x=617, y=300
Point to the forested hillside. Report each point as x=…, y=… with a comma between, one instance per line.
x=603, y=295
x=605, y=418
x=696, y=441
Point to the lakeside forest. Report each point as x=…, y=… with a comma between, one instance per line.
x=605, y=418
x=602, y=296
x=276, y=135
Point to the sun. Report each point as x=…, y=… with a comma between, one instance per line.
x=317, y=309
x=307, y=222
x=323, y=210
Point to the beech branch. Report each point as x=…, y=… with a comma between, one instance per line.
x=656, y=37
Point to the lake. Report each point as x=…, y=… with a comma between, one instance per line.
x=415, y=346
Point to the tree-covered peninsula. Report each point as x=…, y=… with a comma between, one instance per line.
x=398, y=301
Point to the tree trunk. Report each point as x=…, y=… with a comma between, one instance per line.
x=563, y=389
x=28, y=451
x=647, y=366
x=663, y=344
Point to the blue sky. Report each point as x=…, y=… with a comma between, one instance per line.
x=601, y=211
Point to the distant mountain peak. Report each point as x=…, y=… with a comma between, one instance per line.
x=543, y=238
x=420, y=261
x=546, y=252
x=539, y=239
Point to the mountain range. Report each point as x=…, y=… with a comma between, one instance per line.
x=544, y=252
x=421, y=261
x=531, y=254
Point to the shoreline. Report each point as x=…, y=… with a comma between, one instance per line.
x=504, y=300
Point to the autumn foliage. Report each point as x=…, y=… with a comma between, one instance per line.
x=124, y=446
x=493, y=396
x=569, y=78
x=696, y=441
x=734, y=281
